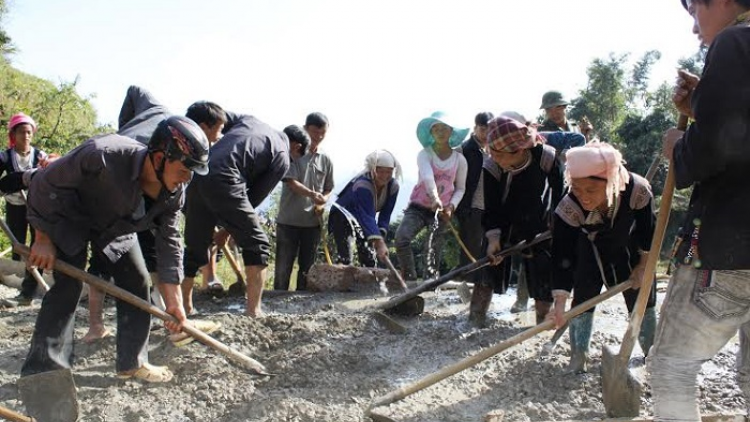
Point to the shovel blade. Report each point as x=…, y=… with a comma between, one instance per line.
x=237, y=289
x=50, y=396
x=621, y=390
x=409, y=308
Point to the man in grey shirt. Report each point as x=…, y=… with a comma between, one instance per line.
x=307, y=187
x=91, y=196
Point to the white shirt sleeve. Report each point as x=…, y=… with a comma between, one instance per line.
x=426, y=175
x=460, y=183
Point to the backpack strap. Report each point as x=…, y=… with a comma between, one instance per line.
x=547, y=160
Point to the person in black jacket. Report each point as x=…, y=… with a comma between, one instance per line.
x=20, y=156
x=469, y=211
x=522, y=184
x=246, y=164
x=602, y=235
x=708, y=299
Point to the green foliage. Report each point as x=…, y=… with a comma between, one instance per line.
x=65, y=118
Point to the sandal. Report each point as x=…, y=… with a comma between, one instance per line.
x=183, y=338
x=214, y=286
x=148, y=373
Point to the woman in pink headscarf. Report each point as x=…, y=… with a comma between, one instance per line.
x=602, y=235
x=19, y=157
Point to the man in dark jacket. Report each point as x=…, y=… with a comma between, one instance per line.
x=246, y=164
x=469, y=211
x=708, y=299
x=93, y=195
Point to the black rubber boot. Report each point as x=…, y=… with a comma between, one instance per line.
x=580, y=336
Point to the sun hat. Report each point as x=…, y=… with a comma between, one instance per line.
x=425, y=125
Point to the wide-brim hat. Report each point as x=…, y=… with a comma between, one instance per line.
x=425, y=137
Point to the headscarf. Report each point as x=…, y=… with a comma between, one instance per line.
x=600, y=160
x=382, y=158
x=18, y=119
x=506, y=134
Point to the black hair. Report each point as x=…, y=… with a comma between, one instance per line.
x=207, y=113
x=483, y=118
x=316, y=119
x=298, y=135
x=743, y=3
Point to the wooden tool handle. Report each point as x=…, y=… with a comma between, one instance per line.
x=112, y=290
x=14, y=416
x=493, y=350
x=636, y=317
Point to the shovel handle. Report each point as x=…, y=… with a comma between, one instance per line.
x=493, y=350
x=432, y=284
x=395, y=273
x=461, y=242
x=112, y=290
x=636, y=317
x=14, y=416
x=233, y=263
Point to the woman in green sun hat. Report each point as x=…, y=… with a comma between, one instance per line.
x=441, y=185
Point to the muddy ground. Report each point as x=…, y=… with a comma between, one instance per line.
x=332, y=359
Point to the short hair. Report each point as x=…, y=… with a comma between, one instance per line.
x=298, y=135
x=483, y=118
x=207, y=113
x=316, y=119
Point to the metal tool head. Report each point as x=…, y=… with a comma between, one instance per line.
x=50, y=396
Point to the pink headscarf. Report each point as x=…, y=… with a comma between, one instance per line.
x=600, y=160
x=18, y=119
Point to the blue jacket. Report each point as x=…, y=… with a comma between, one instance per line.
x=358, y=197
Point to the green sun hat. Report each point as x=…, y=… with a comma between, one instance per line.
x=425, y=137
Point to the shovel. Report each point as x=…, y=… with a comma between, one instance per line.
x=432, y=284
x=244, y=361
x=492, y=350
x=621, y=391
x=239, y=287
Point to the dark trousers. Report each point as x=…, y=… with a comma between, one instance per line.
x=587, y=288
x=52, y=341
x=15, y=216
x=208, y=206
x=294, y=242
x=344, y=235
x=472, y=234
x=537, y=265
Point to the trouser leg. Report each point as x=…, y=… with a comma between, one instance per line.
x=308, y=251
x=52, y=342
x=133, y=324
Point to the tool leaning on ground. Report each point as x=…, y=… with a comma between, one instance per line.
x=432, y=284
x=621, y=391
x=84, y=277
x=492, y=350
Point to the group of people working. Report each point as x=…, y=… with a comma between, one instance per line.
x=116, y=199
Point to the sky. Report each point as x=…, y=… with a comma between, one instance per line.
x=374, y=68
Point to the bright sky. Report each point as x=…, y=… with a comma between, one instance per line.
x=375, y=68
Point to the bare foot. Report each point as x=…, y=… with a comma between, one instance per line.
x=96, y=333
x=255, y=314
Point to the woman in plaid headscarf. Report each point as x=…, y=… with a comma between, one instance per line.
x=522, y=183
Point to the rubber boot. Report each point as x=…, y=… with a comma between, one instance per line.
x=481, y=298
x=542, y=309
x=522, y=294
x=648, y=329
x=580, y=336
